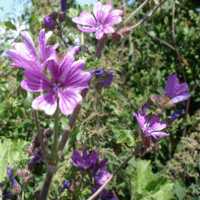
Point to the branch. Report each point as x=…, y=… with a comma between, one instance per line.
x=161, y=41
x=100, y=189
x=147, y=16
x=135, y=11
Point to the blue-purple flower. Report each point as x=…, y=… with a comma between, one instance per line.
x=63, y=5
x=91, y=162
x=175, y=92
x=152, y=127
x=103, y=77
x=16, y=188
x=84, y=160
x=101, y=176
x=49, y=22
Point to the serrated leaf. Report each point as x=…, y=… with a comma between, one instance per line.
x=145, y=185
x=123, y=136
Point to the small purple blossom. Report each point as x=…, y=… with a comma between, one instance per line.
x=10, y=173
x=103, y=77
x=108, y=195
x=63, y=5
x=84, y=160
x=175, y=90
x=16, y=189
x=36, y=159
x=100, y=21
x=49, y=22
x=105, y=194
x=176, y=114
x=66, y=184
x=27, y=56
x=151, y=126
x=101, y=176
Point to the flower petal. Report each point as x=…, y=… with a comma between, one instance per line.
x=156, y=124
x=180, y=98
x=35, y=81
x=86, y=29
x=21, y=61
x=53, y=68
x=99, y=34
x=68, y=100
x=46, y=102
x=86, y=19
x=157, y=135
x=76, y=77
x=29, y=44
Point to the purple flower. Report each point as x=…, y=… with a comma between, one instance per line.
x=63, y=4
x=103, y=77
x=175, y=90
x=60, y=82
x=26, y=56
x=105, y=194
x=15, y=185
x=84, y=160
x=108, y=195
x=10, y=173
x=151, y=126
x=100, y=22
x=101, y=176
x=49, y=22
x=36, y=159
x=176, y=114
x=66, y=184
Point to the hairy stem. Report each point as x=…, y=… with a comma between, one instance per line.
x=52, y=163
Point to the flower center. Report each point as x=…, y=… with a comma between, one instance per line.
x=56, y=87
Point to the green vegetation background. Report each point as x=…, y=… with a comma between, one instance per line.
x=141, y=60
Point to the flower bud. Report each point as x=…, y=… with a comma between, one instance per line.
x=50, y=21
x=63, y=5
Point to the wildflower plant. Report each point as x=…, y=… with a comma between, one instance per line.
x=60, y=82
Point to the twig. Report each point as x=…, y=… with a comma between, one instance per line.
x=100, y=189
x=135, y=11
x=147, y=16
x=161, y=41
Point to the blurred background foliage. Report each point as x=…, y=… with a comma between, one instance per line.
x=167, y=42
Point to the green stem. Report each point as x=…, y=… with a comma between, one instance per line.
x=52, y=163
x=54, y=149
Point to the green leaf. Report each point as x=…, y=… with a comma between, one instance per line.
x=10, y=25
x=123, y=136
x=12, y=151
x=145, y=185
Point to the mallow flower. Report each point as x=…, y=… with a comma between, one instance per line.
x=100, y=21
x=25, y=54
x=84, y=160
x=60, y=83
x=175, y=92
x=90, y=161
x=152, y=128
